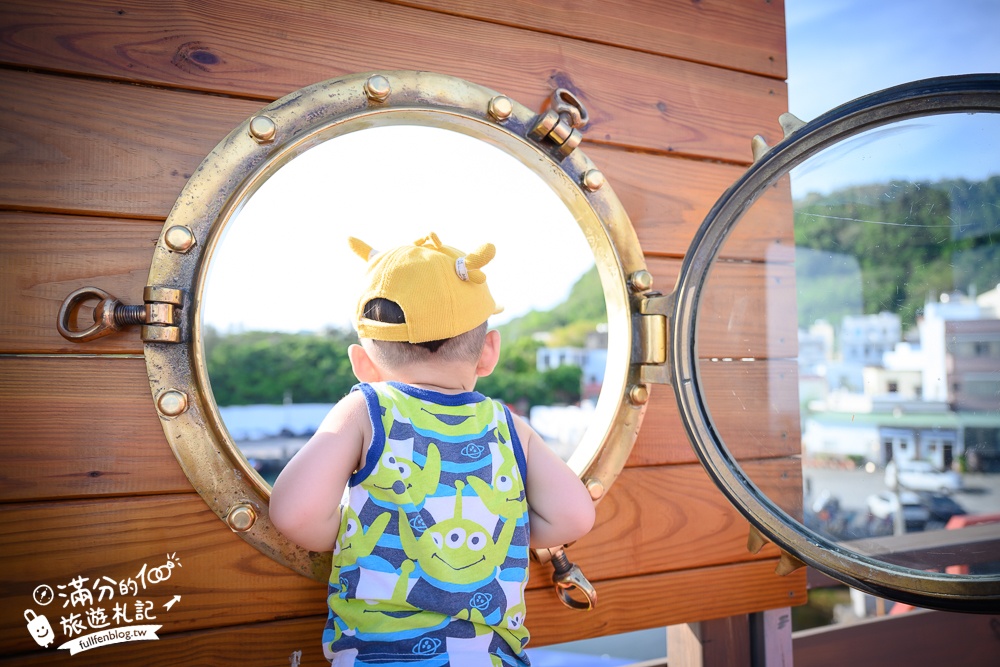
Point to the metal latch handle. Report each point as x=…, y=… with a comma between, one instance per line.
x=157, y=315
x=568, y=577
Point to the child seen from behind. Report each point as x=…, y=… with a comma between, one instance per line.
x=447, y=489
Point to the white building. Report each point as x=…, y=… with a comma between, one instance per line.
x=591, y=359
x=864, y=339
x=932, y=400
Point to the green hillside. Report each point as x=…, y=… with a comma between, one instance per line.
x=891, y=246
x=258, y=367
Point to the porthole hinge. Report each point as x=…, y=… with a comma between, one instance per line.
x=652, y=333
x=158, y=315
x=560, y=124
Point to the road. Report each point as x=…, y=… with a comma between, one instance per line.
x=852, y=488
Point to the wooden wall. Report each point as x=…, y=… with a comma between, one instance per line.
x=106, y=108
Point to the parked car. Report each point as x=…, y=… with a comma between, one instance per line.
x=885, y=504
x=921, y=476
x=941, y=507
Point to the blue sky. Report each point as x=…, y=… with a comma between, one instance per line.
x=841, y=49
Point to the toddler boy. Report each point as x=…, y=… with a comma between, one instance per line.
x=447, y=490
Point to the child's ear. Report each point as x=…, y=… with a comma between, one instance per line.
x=490, y=355
x=362, y=365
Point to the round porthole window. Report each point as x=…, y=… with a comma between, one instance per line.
x=256, y=243
x=889, y=365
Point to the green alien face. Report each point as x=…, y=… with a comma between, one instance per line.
x=389, y=616
x=505, y=498
x=353, y=537
x=353, y=542
x=400, y=481
x=457, y=550
x=514, y=618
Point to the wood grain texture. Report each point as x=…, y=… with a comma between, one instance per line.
x=743, y=310
x=672, y=597
x=754, y=406
x=673, y=517
x=106, y=108
x=264, y=50
x=224, y=581
x=668, y=200
x=123, y=151
x=43, y=258
x=735, y=34
x=79, y=428
x=47, y=257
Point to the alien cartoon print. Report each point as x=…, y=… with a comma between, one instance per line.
x=432, y=560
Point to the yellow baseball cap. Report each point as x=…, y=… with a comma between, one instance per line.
x=441, y=290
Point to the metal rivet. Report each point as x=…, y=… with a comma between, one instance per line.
x=172, y=403
x=638, y=394
x=262, y=129
x=641, y=280
x=179, y=238
x=241, y=518
x=500, y=108
x=377, y=88
x=595, y=487
x=593, y=180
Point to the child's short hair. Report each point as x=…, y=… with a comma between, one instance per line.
x=466, y=346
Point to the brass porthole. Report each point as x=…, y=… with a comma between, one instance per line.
x=279, y=132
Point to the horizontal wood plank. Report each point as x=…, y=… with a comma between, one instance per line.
x=673, y=597
x=81, y=427
x=107, y=439
x=668, y=200
x=657, y=519
x=918, y=637
x=743, y=310
x=47, y=257
x=690, y=524
x=221, y=579
x=735, y=34
x=673, y=517
x=754, y=406
x=256, y=49
x=43, y=258
x=136, y=161
x=123, y=150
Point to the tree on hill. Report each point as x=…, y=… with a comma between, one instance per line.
x=268, y=367
x=896, y=244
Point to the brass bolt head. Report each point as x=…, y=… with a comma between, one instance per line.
x=641, y=280
x=500, y=108
x=593, y=180
x=172, y=403
x=638, y=394
x=377, y=88
x=595, y=487
x=263, y=129
x=241, y=518
x=179, y=238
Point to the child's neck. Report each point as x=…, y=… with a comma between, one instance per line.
x=445, y=378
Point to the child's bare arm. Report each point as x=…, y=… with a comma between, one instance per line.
x=559, y=505
x=305, y=499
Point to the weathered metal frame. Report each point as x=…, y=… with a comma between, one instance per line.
x=253, y=151
x=960, y=94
